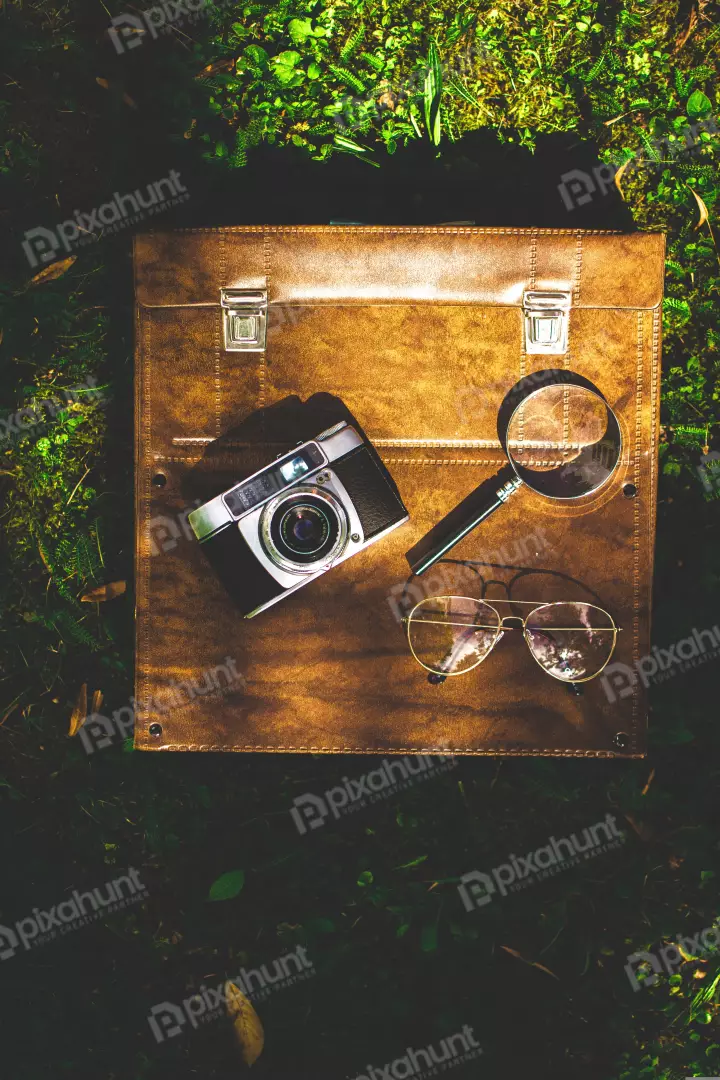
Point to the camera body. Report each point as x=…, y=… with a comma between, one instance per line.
x=290, y=522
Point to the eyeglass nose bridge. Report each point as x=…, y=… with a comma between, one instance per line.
x=519, y=624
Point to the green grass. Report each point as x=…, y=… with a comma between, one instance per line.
x=398, y=962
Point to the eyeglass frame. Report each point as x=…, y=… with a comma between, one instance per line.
x=501, y=628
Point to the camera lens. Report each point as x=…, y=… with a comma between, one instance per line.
x=304, y=528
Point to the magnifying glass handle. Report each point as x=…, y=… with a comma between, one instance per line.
x=478, y=505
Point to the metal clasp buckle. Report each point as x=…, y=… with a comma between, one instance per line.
x=244, y=319
x=547, y=317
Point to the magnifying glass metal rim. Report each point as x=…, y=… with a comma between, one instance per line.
x=613, y=434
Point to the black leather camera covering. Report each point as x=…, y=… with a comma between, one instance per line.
x=245, y=579
x=371, y=488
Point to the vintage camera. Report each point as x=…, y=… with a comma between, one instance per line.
x=290, y=522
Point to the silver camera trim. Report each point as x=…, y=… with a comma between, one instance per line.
x=212, y=515
x=282, y=561
x=250, y=529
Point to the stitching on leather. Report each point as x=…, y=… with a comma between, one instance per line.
x=636, y=524
x=144, y=544
x=578, y=268
x=654, y=416
x=473, y=230
x=168, y=457
x=498, y=752
x=443, y=461
x=218, y=342
x=262, y=367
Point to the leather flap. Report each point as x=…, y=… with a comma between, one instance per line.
x=435, y=264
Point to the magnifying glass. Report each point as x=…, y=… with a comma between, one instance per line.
x=562, y=440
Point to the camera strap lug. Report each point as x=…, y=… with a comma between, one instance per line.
x=547, y=318
x=244, y=314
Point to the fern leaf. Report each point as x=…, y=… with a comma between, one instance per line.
x=649, y=145
x=374, y=62
x=596, y=68
x=681, y=86
x=675, y=267
x=447, y=122
x=679, y=307
x=455, y=86
x=352, y=44
x=325, y=128
x=348, y=78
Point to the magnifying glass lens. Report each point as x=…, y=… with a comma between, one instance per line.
x=563, y=441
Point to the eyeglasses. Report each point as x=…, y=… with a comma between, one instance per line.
x=570, y=640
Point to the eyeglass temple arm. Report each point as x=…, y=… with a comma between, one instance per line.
x=479, y=504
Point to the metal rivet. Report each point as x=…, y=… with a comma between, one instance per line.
x=159, y=480
x=621, y=739
x=629, y=491
x=155, y=730
x=355, y=537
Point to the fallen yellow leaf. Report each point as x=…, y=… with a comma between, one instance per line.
x=702, y=208
x=104, y=592
x=619, y=175
x=103, y=82
x=649, y=782
x=55, y=270
x=79, y=713
x=248, y=1028
x=530, y=963
x=97, y=700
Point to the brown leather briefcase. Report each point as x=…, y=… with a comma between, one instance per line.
x=253, y=339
